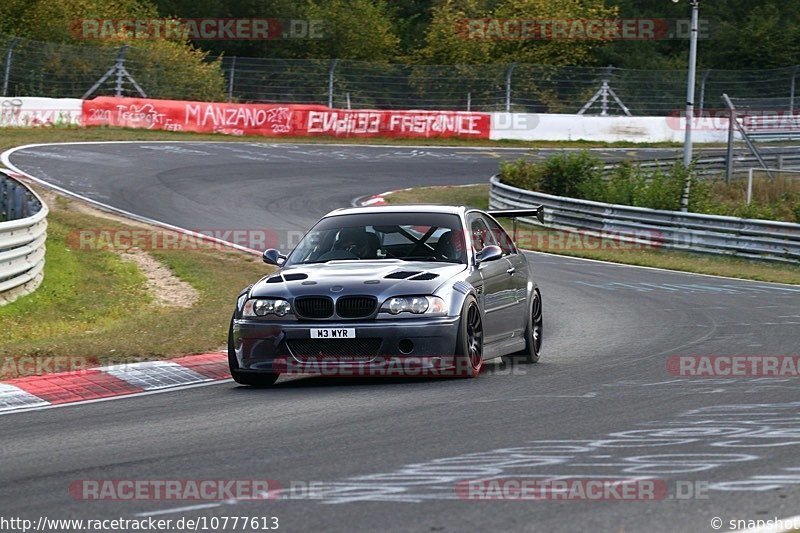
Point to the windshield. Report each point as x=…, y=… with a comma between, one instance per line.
x=381, y=236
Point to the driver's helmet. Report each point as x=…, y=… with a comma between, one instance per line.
x=356, y=241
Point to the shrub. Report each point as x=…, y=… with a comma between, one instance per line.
x=564, y=174
x=522, y=173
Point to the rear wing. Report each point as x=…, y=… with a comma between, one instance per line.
x=537, y=212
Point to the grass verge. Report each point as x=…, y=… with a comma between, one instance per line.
x=93, y=304
x=551, y=241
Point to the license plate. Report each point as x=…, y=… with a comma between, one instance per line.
x=329, y=333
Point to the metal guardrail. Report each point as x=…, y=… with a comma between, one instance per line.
x=23, y=231
x=755, y=239
x=708, y=166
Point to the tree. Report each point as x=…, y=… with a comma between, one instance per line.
x=449, y=39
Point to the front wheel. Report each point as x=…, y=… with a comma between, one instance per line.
x=469, y=343
x=246, y=378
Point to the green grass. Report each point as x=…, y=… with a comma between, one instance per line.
x=94, y=304
x=546, y=240
x=18, y=136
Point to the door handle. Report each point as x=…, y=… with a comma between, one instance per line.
x=510, y=270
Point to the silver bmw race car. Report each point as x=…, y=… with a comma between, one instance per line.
x=400, y=290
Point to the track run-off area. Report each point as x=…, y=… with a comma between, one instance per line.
x=390, y=454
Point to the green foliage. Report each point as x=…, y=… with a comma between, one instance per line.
x=563, y=174
x=176, y=70
x=736, y=34
x=579, y=175
x=522, y=173
x=354, y=29
x=447, y=40
x=167, y=69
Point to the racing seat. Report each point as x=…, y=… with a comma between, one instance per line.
x=449, y=246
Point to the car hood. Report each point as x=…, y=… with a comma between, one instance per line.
x=375, y=278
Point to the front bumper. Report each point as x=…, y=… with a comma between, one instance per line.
x=272, y=347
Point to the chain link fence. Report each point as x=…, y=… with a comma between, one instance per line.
x=31, y=68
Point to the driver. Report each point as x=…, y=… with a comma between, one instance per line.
x=357, y=241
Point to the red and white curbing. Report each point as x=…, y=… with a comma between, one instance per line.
x=374, y=201
x=130, y=379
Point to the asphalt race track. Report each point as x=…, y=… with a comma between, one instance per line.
x=388, y=454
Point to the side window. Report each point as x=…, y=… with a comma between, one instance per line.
x=503, y=240
x=480, y=234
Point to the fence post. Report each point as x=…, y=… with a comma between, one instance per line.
x=231, y=74
x=469, y=101
x=120, y=68
x=331, y=70
x=729, y=155
x=791, y=94
x=9, y=57
x=509, y=72
x=703, y=90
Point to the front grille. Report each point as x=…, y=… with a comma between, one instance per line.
x=356, y=306
x=313, y=306
x=342, y=350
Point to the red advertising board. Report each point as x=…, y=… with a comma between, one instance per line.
x=280, y=119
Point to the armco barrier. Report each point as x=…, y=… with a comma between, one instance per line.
x=23, y=230
x=290, y=120
x=562, y=127
x=756, y=239
x=25, y=111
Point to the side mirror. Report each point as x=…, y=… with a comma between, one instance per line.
x=489, y=253
x=273, y=257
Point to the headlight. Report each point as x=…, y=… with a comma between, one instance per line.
x=266, y=306
x=417, y=305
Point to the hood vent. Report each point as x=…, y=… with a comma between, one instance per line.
x=275, y=279
x=297, y=276
x=402, y=274
x=425, y=276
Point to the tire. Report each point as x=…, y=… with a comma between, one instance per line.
x=469, y=343
x=533, y=331
x=246, y=378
